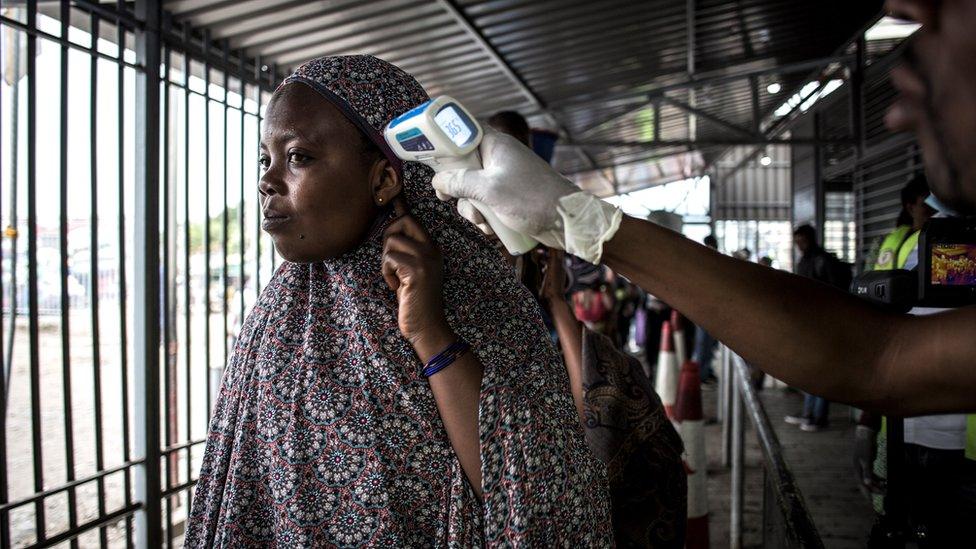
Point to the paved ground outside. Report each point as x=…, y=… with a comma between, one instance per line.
x=54, y=466
x=821, y=463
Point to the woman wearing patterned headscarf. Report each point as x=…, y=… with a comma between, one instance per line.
x=326, y=431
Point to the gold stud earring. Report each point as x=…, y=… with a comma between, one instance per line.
x=380, y=200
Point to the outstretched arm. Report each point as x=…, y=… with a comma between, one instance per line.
x=803, y=332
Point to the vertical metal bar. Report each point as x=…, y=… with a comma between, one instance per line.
x=690, y=46
x=168, y=369
x=756, y=112
x=206, y=215
x=240, y=209
x=224, y=218
x=720, y=392
x=257, y=213
x=4, y=496
x=727, y=390
x=69, y=444
x=4, y=517
x=12, y=227
x=35, y=365
x=738, y=465
x=272, y=78
x=187, y=280
x=857, y=97
x=657, y=120
x=94, y=272
x=123, y=291
x=148, y=527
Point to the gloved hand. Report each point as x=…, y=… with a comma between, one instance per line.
x=530, y=197
x=865, y=450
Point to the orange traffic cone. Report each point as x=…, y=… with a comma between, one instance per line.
x=689, y=419
x=666, y=383
x=678, y=326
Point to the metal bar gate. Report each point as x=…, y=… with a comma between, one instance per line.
x=129, y=164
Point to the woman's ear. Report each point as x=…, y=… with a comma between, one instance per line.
x=384, y=182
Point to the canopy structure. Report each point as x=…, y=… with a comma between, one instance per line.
x=641, y=93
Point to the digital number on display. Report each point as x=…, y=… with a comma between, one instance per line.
x=450, y=121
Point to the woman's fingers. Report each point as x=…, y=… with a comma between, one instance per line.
x=400, y=242
x=397, y=266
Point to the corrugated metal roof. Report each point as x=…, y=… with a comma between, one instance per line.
x=586, y=68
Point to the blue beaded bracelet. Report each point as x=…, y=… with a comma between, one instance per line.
x=446, y=357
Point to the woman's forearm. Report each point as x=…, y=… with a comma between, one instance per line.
x=571, y=341
x=457, y=391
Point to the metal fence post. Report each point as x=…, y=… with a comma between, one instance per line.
x=720, y=392
x=738, y=469
x=728, y=387
x=147, y=278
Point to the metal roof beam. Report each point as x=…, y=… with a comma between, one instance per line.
x=463, y=21
x=778, y=126
x=707, y=79
x=709, y=116
x=466, y=24
x=658, y=93
x=755, y=141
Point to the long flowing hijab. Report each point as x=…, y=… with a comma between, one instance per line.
x=324, y=432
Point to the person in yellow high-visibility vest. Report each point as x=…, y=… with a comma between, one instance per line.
x=896, y=247
x=870, y=449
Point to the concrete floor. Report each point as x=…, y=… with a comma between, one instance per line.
x=821, y=463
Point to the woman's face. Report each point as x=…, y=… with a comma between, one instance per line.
x=320, y=191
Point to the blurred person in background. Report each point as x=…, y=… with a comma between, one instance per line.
x=818, y=264
x=514, y=124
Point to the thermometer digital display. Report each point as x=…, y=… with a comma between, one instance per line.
x=442, y=134
x=454, y=125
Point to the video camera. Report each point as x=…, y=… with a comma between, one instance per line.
x=945, y=276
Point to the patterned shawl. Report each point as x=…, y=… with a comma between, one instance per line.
x=324, y=432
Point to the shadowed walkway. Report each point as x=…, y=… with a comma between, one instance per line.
x=821, y=463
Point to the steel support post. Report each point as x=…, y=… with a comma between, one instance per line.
x=738, y=465
x=147, y=291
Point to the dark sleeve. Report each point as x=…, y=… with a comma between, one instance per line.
x=627, y=429
x=822, y=270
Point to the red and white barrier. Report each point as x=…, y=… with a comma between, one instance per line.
x=690, y=423
x=666, y=381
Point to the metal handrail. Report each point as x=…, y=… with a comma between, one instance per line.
x=792, y=515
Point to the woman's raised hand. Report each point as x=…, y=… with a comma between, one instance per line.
x=413, y=268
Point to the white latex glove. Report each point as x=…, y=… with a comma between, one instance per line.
x=530, y=197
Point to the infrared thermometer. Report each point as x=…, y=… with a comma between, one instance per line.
x=443, y=135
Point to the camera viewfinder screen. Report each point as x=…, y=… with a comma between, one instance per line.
x=954, y=264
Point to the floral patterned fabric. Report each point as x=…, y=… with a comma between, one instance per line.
x=325, y=434
x=626, y=427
